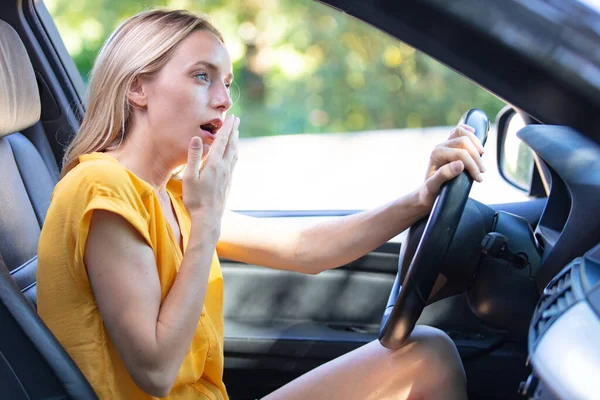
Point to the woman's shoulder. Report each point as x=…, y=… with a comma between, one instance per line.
x=101, y=173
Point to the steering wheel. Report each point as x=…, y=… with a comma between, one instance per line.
x=409, y=297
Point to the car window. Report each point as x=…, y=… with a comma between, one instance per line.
x=334, y=113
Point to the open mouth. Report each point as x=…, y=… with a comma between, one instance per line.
x=212, y=126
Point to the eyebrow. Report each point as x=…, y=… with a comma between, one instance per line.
x=212, y=66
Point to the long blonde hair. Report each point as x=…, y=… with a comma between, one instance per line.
x=141, y=45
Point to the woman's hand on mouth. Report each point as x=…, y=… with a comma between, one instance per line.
x=206, y=184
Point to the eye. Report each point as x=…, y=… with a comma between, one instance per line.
x=228, y=85
x=202, y=75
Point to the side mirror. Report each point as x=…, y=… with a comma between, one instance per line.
x=515, y=159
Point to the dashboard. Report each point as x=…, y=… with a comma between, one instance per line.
x=564, y=332
x=570, y=166
x=564, y=335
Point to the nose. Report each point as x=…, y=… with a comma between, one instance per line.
x=221, y=98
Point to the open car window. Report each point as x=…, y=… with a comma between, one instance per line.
x=334, y=113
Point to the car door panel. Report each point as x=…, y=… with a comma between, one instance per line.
x=280, y=320
x=352, y=294
x=338, y=309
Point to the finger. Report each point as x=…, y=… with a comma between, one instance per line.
x=467, y=127
x=194, y=159
x=444, y=174
x=220, y=143
x=465, y=143
x=444, y=155
x=459, y=131
x=232, y=146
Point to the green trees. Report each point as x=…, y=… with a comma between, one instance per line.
x=300, y=66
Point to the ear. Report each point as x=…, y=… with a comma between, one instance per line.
x=136, y=95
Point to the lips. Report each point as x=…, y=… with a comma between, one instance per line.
x=212, y=127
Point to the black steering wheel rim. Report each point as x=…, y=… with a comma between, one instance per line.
x=408, y=298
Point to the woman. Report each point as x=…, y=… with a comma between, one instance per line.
x=129, y=280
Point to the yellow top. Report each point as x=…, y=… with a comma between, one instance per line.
x=65, y=299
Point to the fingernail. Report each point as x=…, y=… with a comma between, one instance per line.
x=479, y=178
x=455, y=166
x=196, y=142
x=482, y=167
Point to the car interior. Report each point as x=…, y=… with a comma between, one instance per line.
x=515, y=273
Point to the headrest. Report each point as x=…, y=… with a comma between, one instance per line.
x=19, y=96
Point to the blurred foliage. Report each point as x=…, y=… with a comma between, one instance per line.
x=300, y=66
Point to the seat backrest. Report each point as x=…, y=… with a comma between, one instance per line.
x=27, y=178
x=33, y=365
x=25, y=189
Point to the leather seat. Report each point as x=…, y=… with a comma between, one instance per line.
x=33, y=365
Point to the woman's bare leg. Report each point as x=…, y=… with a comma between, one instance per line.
x=427, y=367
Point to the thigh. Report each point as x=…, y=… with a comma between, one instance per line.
x=428, y=362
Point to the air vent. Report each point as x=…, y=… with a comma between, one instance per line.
x=558, y=297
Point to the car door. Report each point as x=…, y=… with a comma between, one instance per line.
x=281, y=324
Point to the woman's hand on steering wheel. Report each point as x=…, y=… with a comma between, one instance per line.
x=411, y=293
x=449, y=158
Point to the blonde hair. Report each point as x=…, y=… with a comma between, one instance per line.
x=141, y=45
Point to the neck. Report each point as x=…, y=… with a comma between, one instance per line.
x=145, y=158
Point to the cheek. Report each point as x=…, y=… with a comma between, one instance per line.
x=178, y=105
x=172, y=106
x=176, y=113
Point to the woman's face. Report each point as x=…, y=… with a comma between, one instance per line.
x=189, y=96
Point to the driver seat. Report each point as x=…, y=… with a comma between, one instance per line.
x=33, y=364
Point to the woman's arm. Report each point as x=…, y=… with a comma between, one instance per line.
x=151, y=338
x=319, y=247
x=337, y=242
